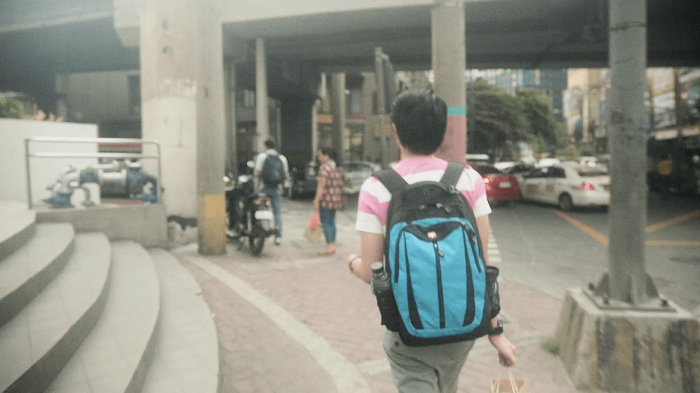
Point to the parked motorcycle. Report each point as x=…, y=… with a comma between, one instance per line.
x=248, y=212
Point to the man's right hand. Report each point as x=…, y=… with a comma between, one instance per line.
x=506, y=350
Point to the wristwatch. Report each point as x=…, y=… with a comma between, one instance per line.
x=496, y=330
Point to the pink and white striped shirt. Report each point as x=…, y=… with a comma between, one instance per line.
x=374, y=198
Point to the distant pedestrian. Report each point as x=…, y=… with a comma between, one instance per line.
x=271, y=169
x=419, y=121
x=329, y=195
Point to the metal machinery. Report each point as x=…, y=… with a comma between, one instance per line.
x=117, y=179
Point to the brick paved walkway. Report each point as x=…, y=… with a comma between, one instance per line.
x=293, y=321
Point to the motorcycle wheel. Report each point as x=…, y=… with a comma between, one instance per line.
x=256, y=244
x=236, y=230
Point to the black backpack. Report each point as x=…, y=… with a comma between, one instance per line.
x=273, y=170
x=435, y=259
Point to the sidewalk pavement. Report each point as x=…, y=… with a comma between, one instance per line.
x=293, y=321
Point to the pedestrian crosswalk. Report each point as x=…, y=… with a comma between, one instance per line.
x=494, y=253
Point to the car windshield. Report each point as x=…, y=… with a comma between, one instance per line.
x=520, y=169
x=592, y=171
x=487, y=170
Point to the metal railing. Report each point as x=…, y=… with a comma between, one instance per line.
x=98, y=141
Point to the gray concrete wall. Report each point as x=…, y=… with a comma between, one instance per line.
x=145, y=224
x=97, y=96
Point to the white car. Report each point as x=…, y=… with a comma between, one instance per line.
x=356, y=172
x=547, y=162
x=568, y=186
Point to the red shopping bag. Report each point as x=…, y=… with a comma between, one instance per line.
x=313, y=232
x=313, y=224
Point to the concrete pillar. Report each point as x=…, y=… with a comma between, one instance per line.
x=628, y=190
x=231, y=119
x=338, y=109
x=262, y=115
x=278, y=126
x=182, y=107
x=449, y=65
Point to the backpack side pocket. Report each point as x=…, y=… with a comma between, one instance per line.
x=492, y=290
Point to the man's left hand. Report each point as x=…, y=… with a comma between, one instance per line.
x=506, y=350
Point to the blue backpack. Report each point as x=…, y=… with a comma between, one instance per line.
x=434, y=257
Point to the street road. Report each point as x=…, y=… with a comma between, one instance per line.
x=548, y=249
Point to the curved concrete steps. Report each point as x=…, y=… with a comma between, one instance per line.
x=187, y=350
x=81, y=313
x=18, y=226
x=30, y=267
x=115, y=356
x=40, y=339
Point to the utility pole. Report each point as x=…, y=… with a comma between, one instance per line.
x=627, y=280
x=379, y=58
x=621, y=335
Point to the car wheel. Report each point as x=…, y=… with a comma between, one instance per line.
x=565, y=202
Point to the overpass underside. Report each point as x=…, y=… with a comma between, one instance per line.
x=44, y=38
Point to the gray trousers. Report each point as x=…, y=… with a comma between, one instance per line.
x=432, y=369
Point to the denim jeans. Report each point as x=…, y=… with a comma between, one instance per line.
x=276, y=201
x=328, y=222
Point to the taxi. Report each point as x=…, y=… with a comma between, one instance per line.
x=568, y=186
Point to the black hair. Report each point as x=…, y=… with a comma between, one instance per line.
x=420, y=117
x=270, y=143
x=327, y=151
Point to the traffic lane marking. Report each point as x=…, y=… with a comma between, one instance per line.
x=681, y=243
x=656, y=227
x=578, y=224
x=605, y=240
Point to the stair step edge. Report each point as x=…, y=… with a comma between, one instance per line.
x=187, y=354
x=17, y=226
x=31, y=267
x=117, y=354
x=41, y=338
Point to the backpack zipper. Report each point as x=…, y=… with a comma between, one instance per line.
x=396, y=254
x=438, y=271
x=473, y=242
x=469, y=315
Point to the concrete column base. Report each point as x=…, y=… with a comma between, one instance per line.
x=629, y=351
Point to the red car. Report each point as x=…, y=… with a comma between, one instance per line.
x=500, y=187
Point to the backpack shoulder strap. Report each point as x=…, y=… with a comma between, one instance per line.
x=452, y=174
x=391, y=180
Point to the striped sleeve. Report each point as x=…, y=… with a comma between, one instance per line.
x=473, y=188
x=372, y=206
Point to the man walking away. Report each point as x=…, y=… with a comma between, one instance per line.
x=271, y=169
x=419, y=121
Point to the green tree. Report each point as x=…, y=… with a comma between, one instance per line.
x=537, y=110
x=11, y=108
x=495, y=116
